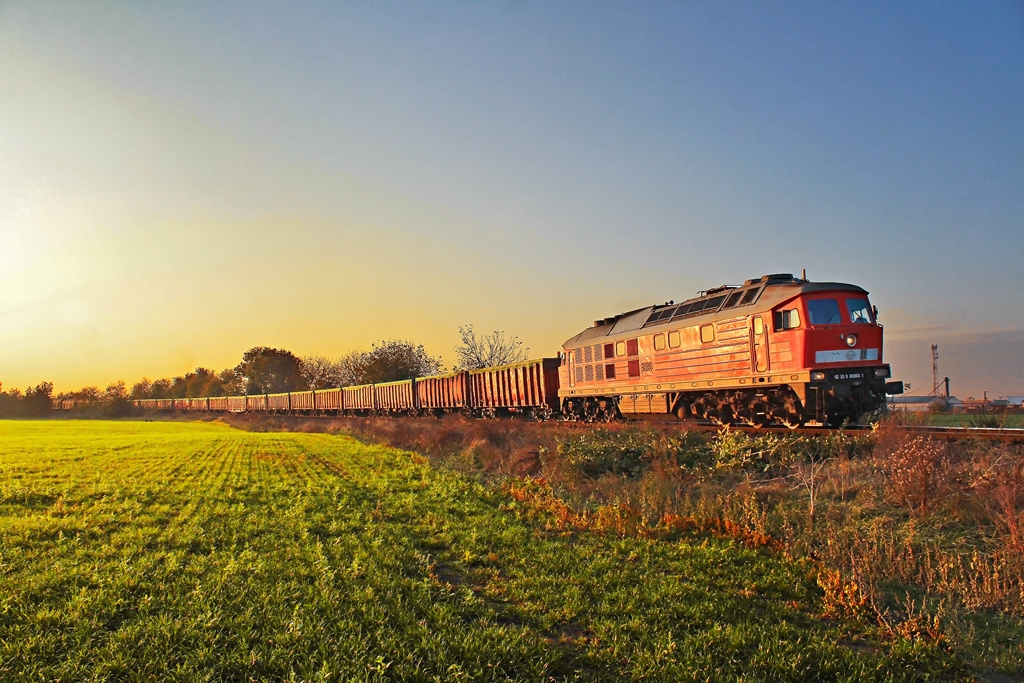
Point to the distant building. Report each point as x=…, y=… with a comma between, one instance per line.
x=1015, y=401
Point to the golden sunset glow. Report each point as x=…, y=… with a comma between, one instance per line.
x=180, y=183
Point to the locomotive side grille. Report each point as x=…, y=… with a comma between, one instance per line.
x=589, y=373
x=597, y=353
x=599, y=371
x=588, y=354
x=647, y=366
x=579, y=374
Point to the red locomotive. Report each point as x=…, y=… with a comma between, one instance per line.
x=776, y=350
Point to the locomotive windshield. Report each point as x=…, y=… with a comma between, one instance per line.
x=824, y=312
x=860, y=312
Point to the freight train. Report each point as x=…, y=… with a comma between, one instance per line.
x=776, y=350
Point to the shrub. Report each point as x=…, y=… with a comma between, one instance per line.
x=626, y=453
x=917, y=473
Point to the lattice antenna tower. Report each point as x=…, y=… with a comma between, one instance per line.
x=935, y=369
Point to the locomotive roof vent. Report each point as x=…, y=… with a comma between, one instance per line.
x=774, y=277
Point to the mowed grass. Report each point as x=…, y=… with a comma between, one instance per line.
x=164, y=551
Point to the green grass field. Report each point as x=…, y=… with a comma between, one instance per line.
x=155, y=551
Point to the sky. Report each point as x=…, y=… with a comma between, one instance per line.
x=182, y=181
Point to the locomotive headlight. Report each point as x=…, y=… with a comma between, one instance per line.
x=851, y=340
x=883, y=372
x=817, y=376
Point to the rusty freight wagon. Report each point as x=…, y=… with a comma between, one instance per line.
x=327, y=401
x=302, y=401
x=279, y=403
x=529, y=388
x=256, y=402
x=218, y=404
x=442, y=393
x=394, y=397
x=359, y=399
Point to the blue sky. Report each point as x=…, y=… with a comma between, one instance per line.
x=181, y=181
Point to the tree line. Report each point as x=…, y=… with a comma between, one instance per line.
x=266, y=370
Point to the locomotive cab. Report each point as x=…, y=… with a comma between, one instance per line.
x=836, y=336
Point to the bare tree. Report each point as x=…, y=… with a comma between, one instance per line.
x=320, y=372
x=352, y=368
x=486, y=351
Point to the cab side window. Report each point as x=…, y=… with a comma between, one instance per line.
x=788, y=319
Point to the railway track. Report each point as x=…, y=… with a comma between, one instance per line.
x=1003, y=435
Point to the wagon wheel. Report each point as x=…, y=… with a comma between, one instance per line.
x=791, y=422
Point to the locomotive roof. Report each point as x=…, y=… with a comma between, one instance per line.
x=765, y=292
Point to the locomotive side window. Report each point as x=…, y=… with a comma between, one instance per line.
x=634, y=368
x=749, y=297
x=620, y=348
x=682, y=310
x=609, y=350
x=674, y=339
x=859, y=310
x=734, y=299
x=714, y=303
x=609, y=371
x=632, y=347
x=659, y=342
x=758, y=326
x=707, y=333
x=824, y=312
x=787, y=320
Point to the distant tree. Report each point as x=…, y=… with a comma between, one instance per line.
x=115, y=396
x=232, y=382
x=9, y=405
x=320, y=372
x=487, y=351
x=115, y=391
x=38, y=400
x=270, y=371
x=87, y=394
x=161, y=388
x=201, y=382
x=179, y=387
x=141, y=389
x=393, y=360
x=352, y=368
